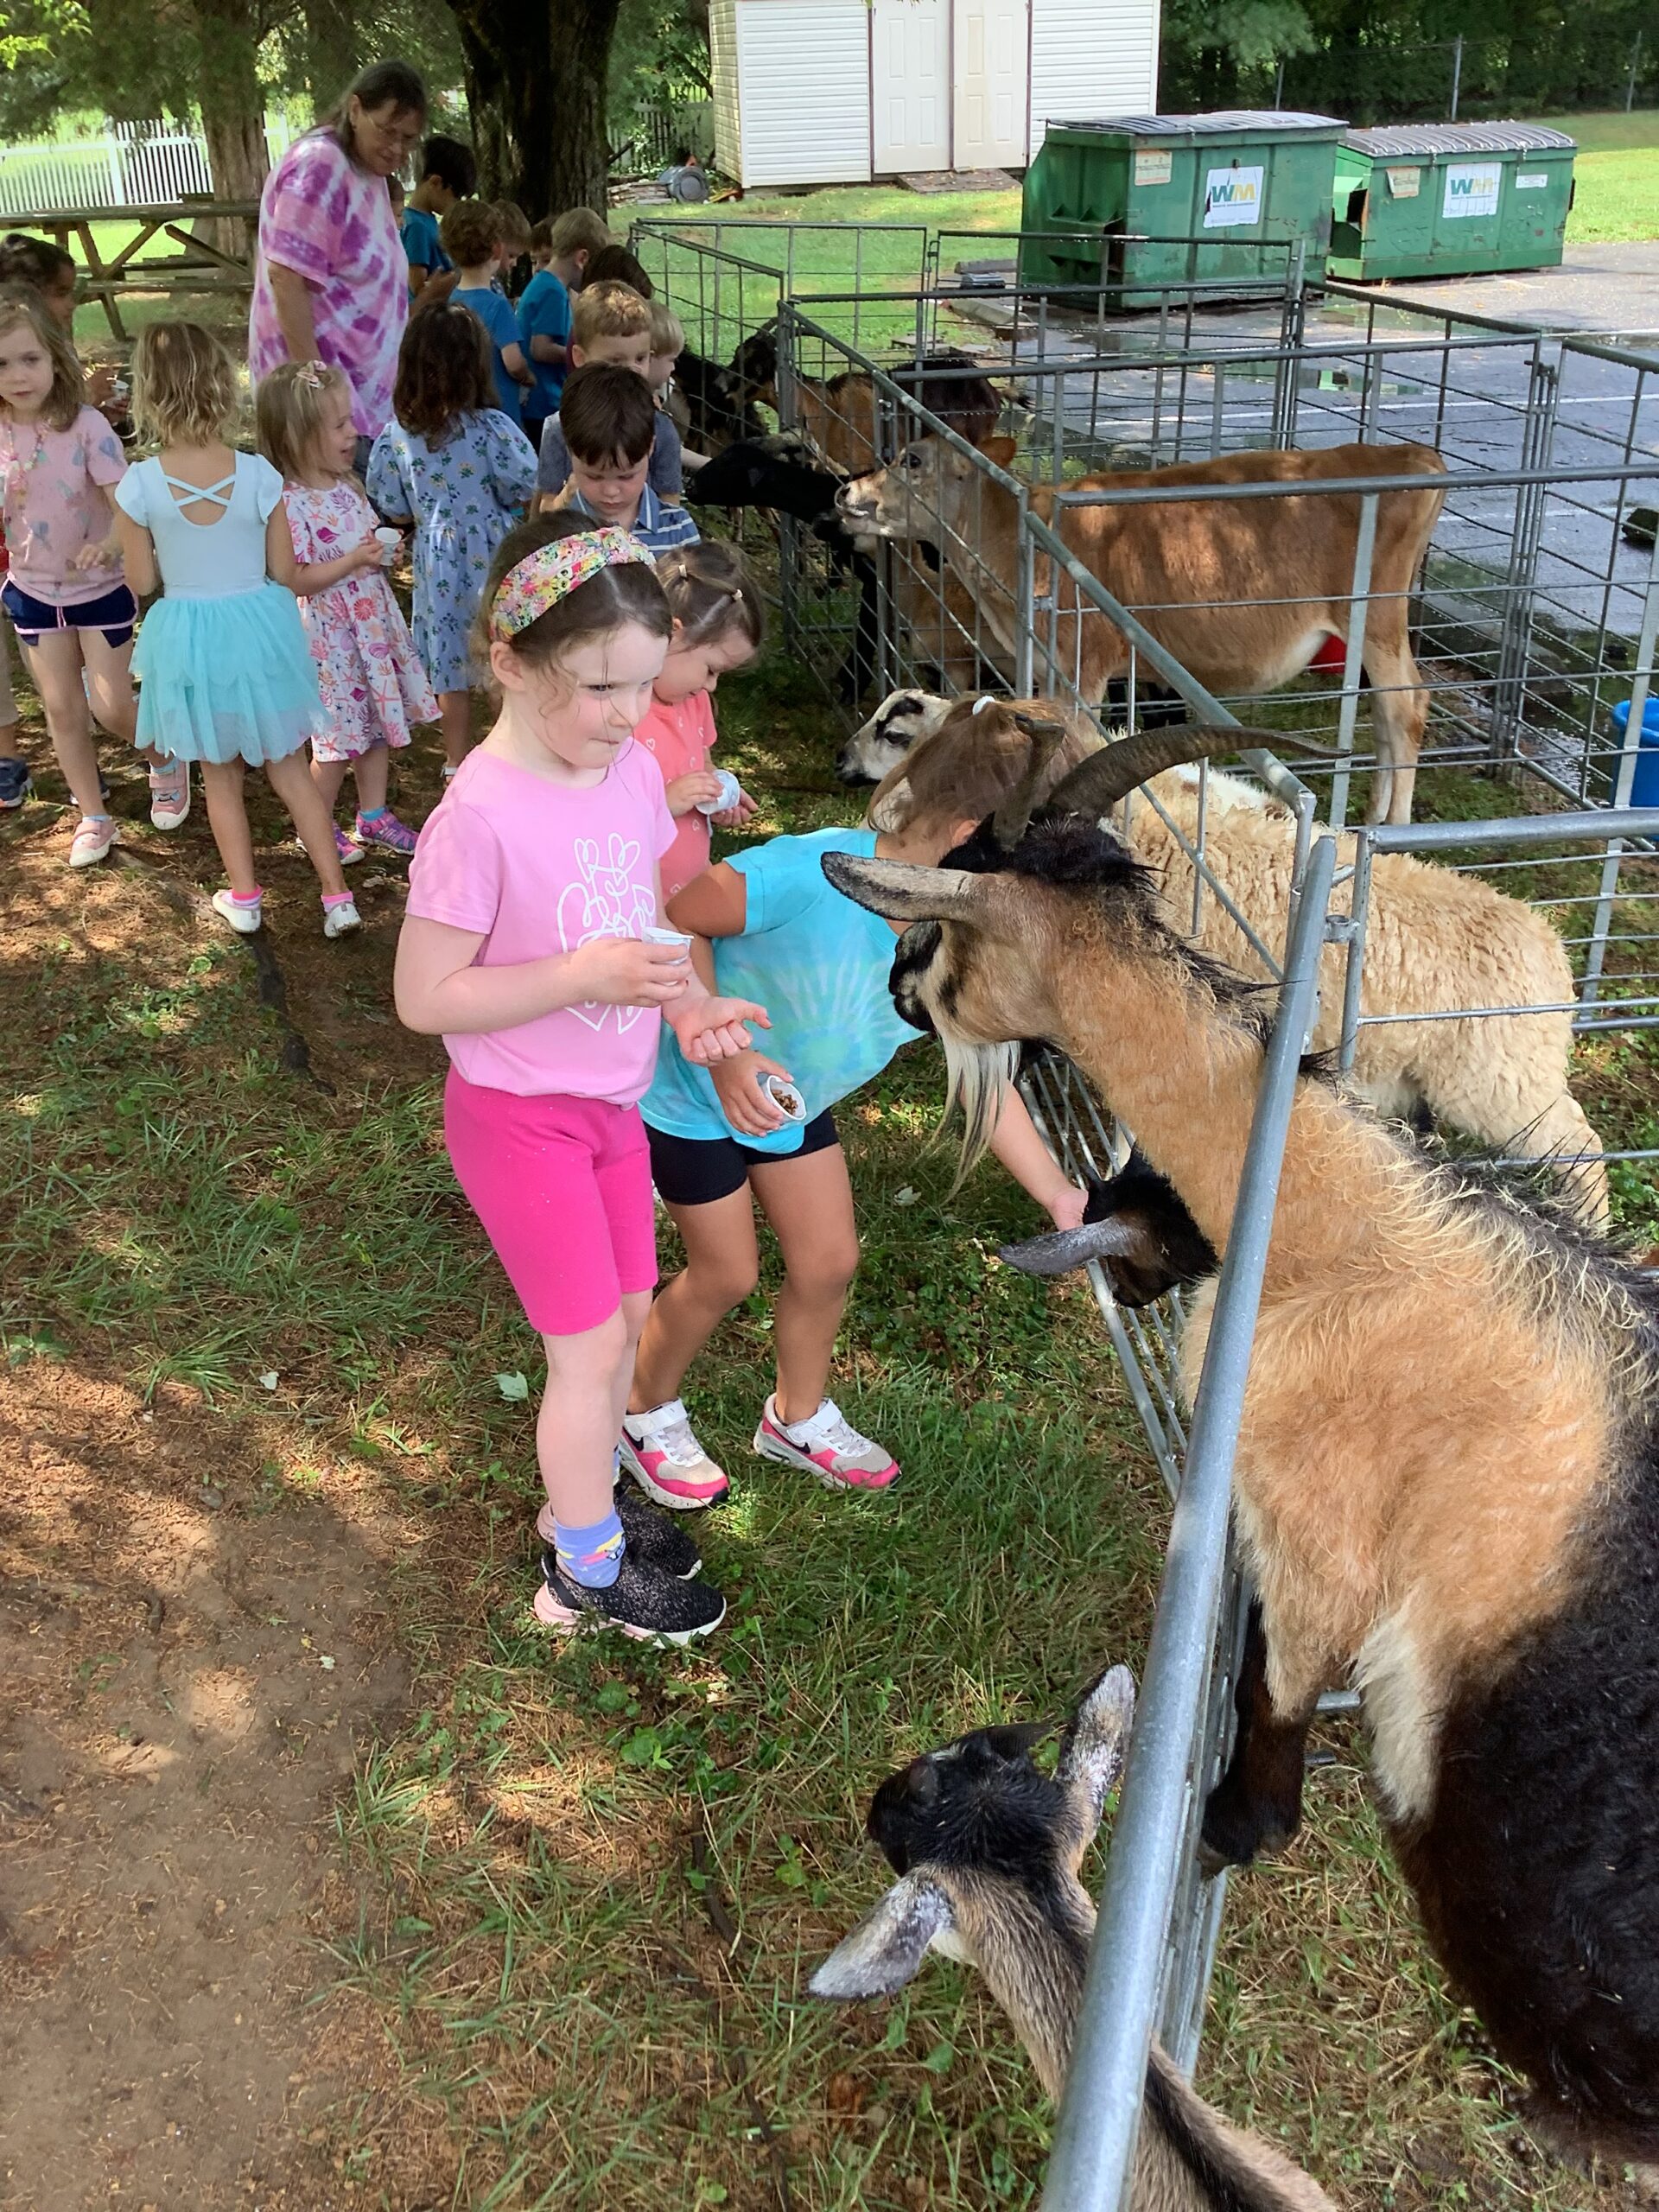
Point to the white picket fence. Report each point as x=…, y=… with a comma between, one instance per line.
x=135, y=165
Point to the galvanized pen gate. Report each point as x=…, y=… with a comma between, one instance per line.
x=1533, y=616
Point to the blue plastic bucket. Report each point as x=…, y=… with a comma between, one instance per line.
x=1644, y=785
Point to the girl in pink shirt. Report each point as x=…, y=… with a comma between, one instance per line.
x=534, y=896
x=717, y=628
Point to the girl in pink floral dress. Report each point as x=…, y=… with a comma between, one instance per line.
x=373, y=686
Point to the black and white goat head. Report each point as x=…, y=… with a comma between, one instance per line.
x=986, y=1849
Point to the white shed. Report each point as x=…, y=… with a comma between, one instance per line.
x=837, y=91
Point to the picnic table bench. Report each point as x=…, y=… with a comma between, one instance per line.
x=202, y=265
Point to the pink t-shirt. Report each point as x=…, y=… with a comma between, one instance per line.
x=53, y=508
x=681, y=738
x=539, y=867
x=332, y=222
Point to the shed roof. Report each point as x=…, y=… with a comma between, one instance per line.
x=1222, y=123
x=1457, y=138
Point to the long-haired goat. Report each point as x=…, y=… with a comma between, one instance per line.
x=1244, y=592
x=1436, y=942
x=987, y=1851
x=1446, y=1483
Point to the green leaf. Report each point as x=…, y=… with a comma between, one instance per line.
x=514, y=1387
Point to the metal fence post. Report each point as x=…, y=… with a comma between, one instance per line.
x=1457, y=75
x=1353, y=662
x=1025, y=595
x=1515, y=641
x=1624, y=776
x=1095, y=2137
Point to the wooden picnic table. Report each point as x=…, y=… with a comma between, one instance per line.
x=200, y=266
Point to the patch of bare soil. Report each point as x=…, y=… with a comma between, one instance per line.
x=186, y=1690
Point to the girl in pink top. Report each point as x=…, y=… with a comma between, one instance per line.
x=528, y=946
x=67, y=594
x=717, y=628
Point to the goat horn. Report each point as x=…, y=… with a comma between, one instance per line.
x=1096, y=785
x=1009, y=825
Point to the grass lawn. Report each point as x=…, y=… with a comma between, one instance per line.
x=334, y=1881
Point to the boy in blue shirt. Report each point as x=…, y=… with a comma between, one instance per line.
x=448, y=173
x=560, y=247
x=608, y=419
x=474, y=236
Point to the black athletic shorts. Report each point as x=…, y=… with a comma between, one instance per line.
x=696, y=1171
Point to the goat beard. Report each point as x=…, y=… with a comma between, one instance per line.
x=978, y=1079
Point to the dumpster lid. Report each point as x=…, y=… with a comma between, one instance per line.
x=1224, y=122
x=1427, y=138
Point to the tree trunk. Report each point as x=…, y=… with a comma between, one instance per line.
x=232, y=112
x=536, y=86
x=330, y=49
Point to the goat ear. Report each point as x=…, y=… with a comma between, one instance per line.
x=1091, y=1757
x=901, y=891
x=886, y=1949
x=999, y=451
x=1059, y=1250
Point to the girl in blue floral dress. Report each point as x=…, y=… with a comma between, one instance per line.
x=453, y=465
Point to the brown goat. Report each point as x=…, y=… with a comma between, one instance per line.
x=1446, y=1483
x=987, y=1851
x=1242, y=592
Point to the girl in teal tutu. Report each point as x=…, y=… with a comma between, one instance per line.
x=225, y=670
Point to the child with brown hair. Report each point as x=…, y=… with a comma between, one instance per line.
x=227, y=675
x=474, y=236
x=374, y=687
x=769, y=925
x=560, y=247
x=607, y=423
x=719, y=627
x=528, y=946
x=452, y=465
x=67, y=597
x=610, y=327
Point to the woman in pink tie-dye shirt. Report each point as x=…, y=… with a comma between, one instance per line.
x=331, y=282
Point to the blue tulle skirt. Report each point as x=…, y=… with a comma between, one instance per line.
x=220, y=678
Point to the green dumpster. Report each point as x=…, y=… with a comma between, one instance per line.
x=1450, y=200
x=1142, y=202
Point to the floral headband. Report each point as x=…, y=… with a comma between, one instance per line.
x=552, y=572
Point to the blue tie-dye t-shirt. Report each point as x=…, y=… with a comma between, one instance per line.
x=819, y=965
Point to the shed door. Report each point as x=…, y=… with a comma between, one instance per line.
x=992, y=44
x=910, y=80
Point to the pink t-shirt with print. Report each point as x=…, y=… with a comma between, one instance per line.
x=681, y=738
x=56, y=485
x=332, y=222
x=539, y=867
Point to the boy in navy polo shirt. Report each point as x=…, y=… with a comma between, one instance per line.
x=609, y=421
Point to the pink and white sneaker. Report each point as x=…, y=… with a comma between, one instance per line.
x=827, y=1446
x=665, y=1458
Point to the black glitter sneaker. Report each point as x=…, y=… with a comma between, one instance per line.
x=643, y=1602
x=656, y=1539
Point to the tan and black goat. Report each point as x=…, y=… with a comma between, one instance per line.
x=1447, y=1485
x=987, y=1851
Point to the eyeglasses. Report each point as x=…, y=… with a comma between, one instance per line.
x=397, y=138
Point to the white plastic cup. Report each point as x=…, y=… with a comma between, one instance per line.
x=730, y=791
x=388, y=540
x=654, y=936
x=783, y=1095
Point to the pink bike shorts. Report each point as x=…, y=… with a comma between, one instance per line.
x=562, y=1187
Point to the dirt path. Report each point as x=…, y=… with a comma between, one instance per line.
x=185, y=1691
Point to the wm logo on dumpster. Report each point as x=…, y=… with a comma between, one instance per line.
x=1231, y=196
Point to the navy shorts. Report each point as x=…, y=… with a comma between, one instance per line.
x=696, y=1171
x=116, y=614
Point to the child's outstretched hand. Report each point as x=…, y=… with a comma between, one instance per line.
x=1065, y=1206
x=733, y=818
x=746, y=1106
x=711, y=1030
